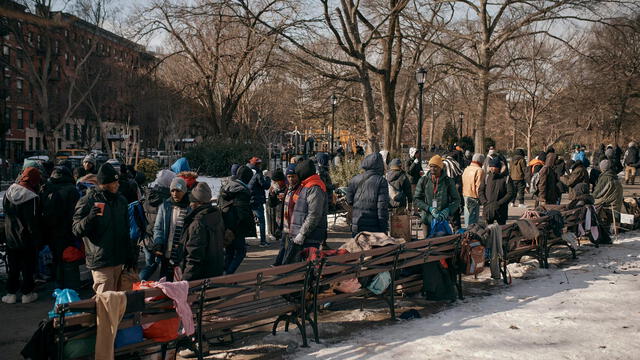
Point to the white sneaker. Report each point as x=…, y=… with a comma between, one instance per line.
x=29, y=298
x=9, y=299
x=522, y=206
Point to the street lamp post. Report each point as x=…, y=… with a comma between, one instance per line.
x=334, y=102
x=460, y=120
x=421, y=76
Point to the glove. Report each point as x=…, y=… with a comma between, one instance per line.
x=93, y=213
x=266, y=173
x=416, y=161
x=434, y=212
x=299, y=239
x=443, y=215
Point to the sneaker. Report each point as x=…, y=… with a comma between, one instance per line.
x=265, y=244
x=513, y=204
x=29, y=298
x=9, y=299
x=522, y=206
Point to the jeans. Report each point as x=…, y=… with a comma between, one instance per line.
x=258, y=211
x=152, y=262
x=471, y=211
x=234, y=254
x=519, y=186
x=21, y=261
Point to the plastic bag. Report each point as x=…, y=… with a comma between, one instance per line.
x=380, y=283
x=63, y=296
x=440, y=228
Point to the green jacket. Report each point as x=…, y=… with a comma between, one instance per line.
x=608, y=191
x=446, y=195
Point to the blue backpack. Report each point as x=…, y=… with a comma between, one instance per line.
x=137, y=221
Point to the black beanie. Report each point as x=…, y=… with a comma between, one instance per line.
x=244, y=174
x=305, y=169
x=278, y=175
x=107, y=174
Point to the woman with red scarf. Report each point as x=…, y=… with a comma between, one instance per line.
x=22, y=227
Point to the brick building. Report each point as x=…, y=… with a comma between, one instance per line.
x=84, y=75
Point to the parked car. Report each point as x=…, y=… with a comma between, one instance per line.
x=65, y=154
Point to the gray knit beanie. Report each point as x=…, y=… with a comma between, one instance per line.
x=605, y=165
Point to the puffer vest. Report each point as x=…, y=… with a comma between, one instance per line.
x=300, y=211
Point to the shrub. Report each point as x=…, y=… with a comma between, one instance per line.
x=149, y=168
x=342, y=174
x=215, y=159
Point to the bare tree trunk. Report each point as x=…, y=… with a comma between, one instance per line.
x=484, y=108
x=368, y=106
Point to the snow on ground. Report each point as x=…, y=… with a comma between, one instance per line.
x=587, y=310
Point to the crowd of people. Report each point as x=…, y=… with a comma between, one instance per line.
x=105, y=217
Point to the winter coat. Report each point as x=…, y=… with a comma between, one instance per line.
x=518, y=168
x=162, y=225
x=580, y=155
x=608, y=191
x=368, y=194
x=258, y=184
x=156, y=196
x=548, y=190
x=235, y=203
x=504, y=169
x=203, y=246
x=309, y=216
x=59, y=198
x=472, y=177
x=414, y=170
x=632, y=157
x=22, y=223
x=277, y=205
x=446, y=196
x=495, y=194
x=106, y=238
x=180, y=165
x=400, y=181
x=578, y=175
x=289, y=204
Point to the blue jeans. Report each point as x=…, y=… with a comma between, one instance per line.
x=471, y=211
x=258, y=211
x=283, y=249
x=152, y=261
x=234, y=254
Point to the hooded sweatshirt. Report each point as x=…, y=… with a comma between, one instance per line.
x=368, y=193
x=23, y=222
x=548, y=190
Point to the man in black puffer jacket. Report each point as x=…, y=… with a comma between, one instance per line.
x=101, y=219
x=495, y=194
x=59, y=198
x=368, y=194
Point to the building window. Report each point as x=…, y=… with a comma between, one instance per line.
x=37, y=144
x=19, y=63
x=19, y=85
x=30, y=119
x=6, y=51
x=66, y=58
x=75, y=132
x=56, y=47
x=20, y=118
x=98, y=134
x=7, y=116
x=66, y=33
x=59, y=143
x=67, y=132
x=30, y=144
x=30, y=38
x=7, y=81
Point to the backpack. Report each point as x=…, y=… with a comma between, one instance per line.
x=137, y=221
x=472, y=255
x=535, y=180
x=396, y=196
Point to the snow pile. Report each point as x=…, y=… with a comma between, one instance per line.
x=588, y=310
